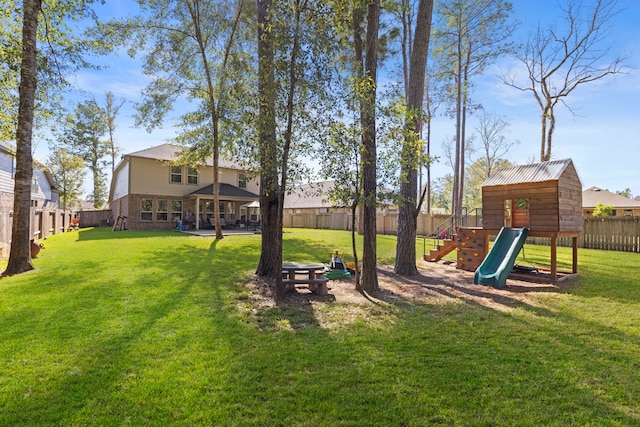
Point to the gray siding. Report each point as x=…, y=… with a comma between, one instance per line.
x=44, y=188
x=6, y=173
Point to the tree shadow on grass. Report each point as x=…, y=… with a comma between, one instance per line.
x=104, y=233
x=105, y=334
x=182, y=348
x=458, y=285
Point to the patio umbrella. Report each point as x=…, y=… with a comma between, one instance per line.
x=254, y=204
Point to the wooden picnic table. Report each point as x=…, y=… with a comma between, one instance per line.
x=312, y=275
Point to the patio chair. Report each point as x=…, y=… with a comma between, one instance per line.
x=212, y=221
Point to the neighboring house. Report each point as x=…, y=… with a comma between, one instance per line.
x=310, y=198
x=153, y=193
x=313, y=198
x=622, y=206
x=7, y=172
x=45, y=218
x=308, y=206
x=45, y=205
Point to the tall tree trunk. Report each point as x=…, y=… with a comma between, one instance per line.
x=463, y=149
x=270, y=264
x=552, y=128
x=369, y=155
x=456, y=161
x=288, y=134
x=547, y=130
x=214, y=105
x=543, y=135
x=354, y=247
x=95, y=171
x=215, y=125
x=427, y=141
x=216, y=180
x=408, y=210
x=20, y=257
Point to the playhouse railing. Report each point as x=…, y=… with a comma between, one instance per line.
x=448, y=228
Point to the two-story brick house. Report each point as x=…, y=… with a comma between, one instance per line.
x=154, y=193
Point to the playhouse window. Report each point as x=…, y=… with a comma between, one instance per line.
x=521, y=204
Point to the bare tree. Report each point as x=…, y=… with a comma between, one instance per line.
x=558, y=60
x=469, y=35
x=495, y=144
x=109, y=114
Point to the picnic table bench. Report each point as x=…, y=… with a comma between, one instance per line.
x=313, y=276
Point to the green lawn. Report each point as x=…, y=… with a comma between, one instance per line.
x=156, y=328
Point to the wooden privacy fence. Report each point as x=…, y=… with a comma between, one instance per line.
x=385, y=223
x=613, y=233
x=43, y=222
x=97, y=218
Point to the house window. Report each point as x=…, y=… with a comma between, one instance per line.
x=192, y=175
x=176, y=210
x=176, y=174
x=627, y=212
x=34, y=185
x=221, y=210
x=146, y=210
x=162, y=213
x=242, y=180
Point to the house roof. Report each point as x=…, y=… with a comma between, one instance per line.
x=594, y=195
x=307, y=196
x=226, y=190
x=537, y=172
x=171, y=152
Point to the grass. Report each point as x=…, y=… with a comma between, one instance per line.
x=156, y=328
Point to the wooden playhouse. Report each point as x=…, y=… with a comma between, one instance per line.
x=544, y=197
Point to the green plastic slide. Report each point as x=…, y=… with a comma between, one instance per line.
x=496, y=267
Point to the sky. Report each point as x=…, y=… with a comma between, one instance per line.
x=601, y=136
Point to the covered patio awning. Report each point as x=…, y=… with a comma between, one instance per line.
x=227, y=191
x=228, y=194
